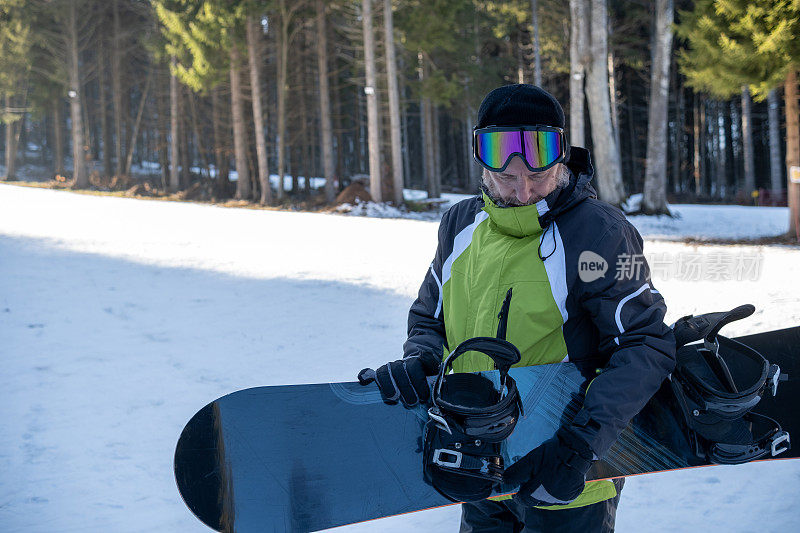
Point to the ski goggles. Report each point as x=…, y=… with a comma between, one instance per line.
x=540, y=147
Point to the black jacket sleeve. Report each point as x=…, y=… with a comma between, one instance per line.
x=426, y=332
x=629, y=315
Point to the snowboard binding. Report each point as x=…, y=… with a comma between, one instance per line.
x=718, y=385
x=469, y=418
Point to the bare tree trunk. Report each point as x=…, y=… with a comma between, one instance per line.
x=793, y=152
x=727, y=145
x=472, y=176
x=116, y=85
x=677, y=145
x=428, y=148
x=58, y=137
x=139, y=113
x=722, y=158
x=747, y=142
x=337, y=128
x=437, y=151
x=89, y=153
x=185, y=138
x=775, y=168
x=325, y=104
x=283, y=45
x=471, y=120
x=736, y=117
x=239, y=130
x=174, y=133
x=255, y=60
x=537, y=56
x=612, y=93
x=307, y=152
x=706, y=168
x=192, y=98
x=11, y=146
x=632, y=139
x=423, y=129
x=429, y=139
x=162, y=132
x=301, y=153
x=406, y=135
x=370, y=90
x=20, y=133
x=654, y=200
x=719, y=155
x=577, y=60
x=606, y=152
x=216, y=129
x=697, y=173
x=80, y=177
x=220, y=151
x=394, y=104
x=107, y=137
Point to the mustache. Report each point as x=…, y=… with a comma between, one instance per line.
x=494, y=194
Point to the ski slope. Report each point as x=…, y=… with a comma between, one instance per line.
x=119, y=318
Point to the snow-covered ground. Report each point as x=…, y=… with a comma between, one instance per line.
x=714, y=222
x=119, y=318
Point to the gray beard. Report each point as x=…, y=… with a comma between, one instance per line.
x=561, y=182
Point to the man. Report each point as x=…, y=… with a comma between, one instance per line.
x=538, y=228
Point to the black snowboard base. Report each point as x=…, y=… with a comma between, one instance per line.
x=311, y=457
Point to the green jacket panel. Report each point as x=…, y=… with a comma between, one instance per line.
x=494, y=261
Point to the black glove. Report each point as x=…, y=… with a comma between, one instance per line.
x=554, y=473
x=404, y=380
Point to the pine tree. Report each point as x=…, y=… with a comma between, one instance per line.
x=205, y=39
x=15, y=64
x=752, y=45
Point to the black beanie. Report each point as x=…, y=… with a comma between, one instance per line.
x=520, y=105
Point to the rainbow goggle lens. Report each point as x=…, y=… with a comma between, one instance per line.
x=540, y=147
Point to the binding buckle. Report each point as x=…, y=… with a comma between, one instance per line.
x=781, y=437
x=774, y=378
x=448, y=458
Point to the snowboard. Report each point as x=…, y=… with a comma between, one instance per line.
x=312, y=457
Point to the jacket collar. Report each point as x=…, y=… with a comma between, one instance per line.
x=518, y=221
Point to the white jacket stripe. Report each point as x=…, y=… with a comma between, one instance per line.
x=461, y=243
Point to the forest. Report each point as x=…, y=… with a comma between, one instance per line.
x=682, y=101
